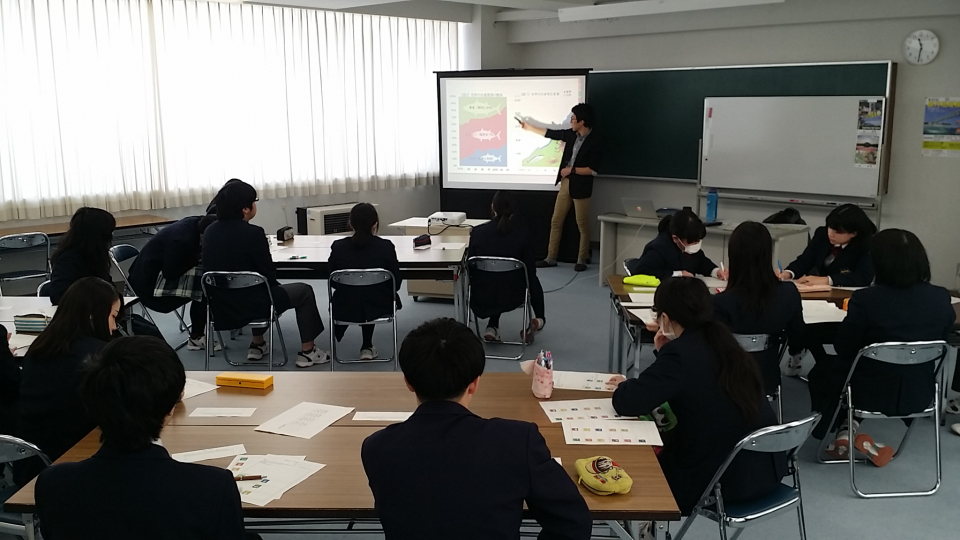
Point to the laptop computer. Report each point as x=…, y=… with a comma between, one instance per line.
x=639, y=208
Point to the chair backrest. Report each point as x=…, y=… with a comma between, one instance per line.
x=361, y=277
x=232, y=280
x=903, y=353
x=14, y=449
x=753, y=342
x=495, y=264
x=42, y=289
x=626, y=265
x=123, y=252
x=220, y=290
x=24, y=240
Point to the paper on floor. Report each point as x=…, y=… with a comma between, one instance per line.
x=195, y=388
x=821, y=311
x=207, y=412
x=280, y=474
x=621, y=432
x=304, y=420
x=209, y=453
x=645, y=315
x=382, y=416
x=575, y=380
x=580, y=409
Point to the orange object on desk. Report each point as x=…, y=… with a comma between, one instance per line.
x=245, y=380
x=846, y=302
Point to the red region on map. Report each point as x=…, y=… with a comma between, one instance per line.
x=469, y=141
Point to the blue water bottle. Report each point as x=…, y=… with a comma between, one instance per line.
x=712, y=205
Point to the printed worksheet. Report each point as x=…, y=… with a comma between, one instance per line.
x=304, y=420
x=821, y=311
x=210, y=453
x=611, y=432
x=645, y=315
x=580, y=409
x=194, y=387
x=575, y=380
x=278, y=474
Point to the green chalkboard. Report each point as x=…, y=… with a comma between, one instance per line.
x=651, y=121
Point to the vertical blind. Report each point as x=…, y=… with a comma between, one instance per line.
x=140, y=104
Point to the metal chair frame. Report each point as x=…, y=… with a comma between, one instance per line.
x=625, y=267
x=361, y=278
x=40, y=288
x=898, y=353
x=14, y=449
x=25, y=241
x=500, y=265
x=781, y=438
x=756, y=343
x=241, y=280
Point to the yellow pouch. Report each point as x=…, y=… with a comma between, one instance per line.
x=603, y=476
x=641, y=280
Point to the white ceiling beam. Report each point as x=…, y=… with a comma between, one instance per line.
x=650, y=7
x=320, y=4
x=524, y=15
x=549, y=5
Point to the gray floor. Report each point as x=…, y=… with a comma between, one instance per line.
x=577, y=334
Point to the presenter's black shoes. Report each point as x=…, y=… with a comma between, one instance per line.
x=546, y=264
x=579, y=267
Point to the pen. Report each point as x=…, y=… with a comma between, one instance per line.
x=293, y=258
x=251, y=477
x=780, y=268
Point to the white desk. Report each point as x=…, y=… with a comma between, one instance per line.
x=12, y=306
x=623, y=237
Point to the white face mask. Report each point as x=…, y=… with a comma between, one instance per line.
x=692, y=248
x=669, y=334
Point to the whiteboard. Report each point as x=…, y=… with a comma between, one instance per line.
x=787, y=144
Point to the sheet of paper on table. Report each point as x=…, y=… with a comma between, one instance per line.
x=821, y=311
x=642, y=299
x=808, y=288
x=195, y=388
x=280, y=474
x=304, y=420
x=558, y=460
x=845, y=288
x=954, y=300
x=580, y=409
x=712, y=282
x=575, y=380
x=645, y=315
x=611, y=432
x=21, y=343
x=381, y=416
x=449, y=245
x=210, y=412
x=209, y=453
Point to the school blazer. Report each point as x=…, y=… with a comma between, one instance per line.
x=173, y=251
x=709, y=424
x=371, y=302
x=851, y=268
x=661, y=258
x=447, y=473
x=878, y=314
x=784, y=316
x=143, y=494
x=589, y=155
x=70, y=267
x=499, y=293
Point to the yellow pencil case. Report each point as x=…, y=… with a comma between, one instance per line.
x=245, y=380
x=641, y=280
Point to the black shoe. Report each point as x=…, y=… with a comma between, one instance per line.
x=579, y=267
x=546, y=264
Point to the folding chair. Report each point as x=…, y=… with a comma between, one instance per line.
x=897, y=353
x=782, y=438
x=626, y=265
x=42, y=289
x=26, y=241
x=342, y=279
x=476, y=267
x=755, y=344
x=217, y=287
x=14, y=449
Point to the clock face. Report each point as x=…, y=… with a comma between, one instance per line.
x=921, y=47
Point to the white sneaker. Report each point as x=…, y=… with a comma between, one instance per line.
x=491, y=334
x=257, y=350
x=953, y=406
x=956, y=428
x=200, y=344
x=792, y=367
x=536, y=324
x=368, y=354
x=315, y=356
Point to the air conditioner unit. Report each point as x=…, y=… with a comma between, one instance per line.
x=332, y=219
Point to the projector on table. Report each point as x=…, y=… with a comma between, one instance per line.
x=446, y=218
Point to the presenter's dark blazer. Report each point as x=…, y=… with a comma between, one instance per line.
x=374, y=301
x=447, y=473
x=143, y=494
x=661, y=258
x=709, y=424
x=784, y=315
x=589, y=155
x=851, y=268
x=171, y=252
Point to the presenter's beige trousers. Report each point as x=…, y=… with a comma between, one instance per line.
x=582, y=209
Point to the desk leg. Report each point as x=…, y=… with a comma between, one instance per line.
x=613, y=336
x=608, y=250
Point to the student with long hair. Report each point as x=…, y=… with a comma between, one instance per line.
x=51, y=415
x=716, y=392
x=9, y=385
x=902, y=305
x=675, y=252
x=82, y=252
x=505, y=236
x=364, y=249
x=756, y=302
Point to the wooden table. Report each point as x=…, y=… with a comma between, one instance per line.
x=60, y=227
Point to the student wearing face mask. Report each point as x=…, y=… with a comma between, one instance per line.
x=716, y=392
x=676, y=250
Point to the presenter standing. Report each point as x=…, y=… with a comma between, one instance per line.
x=581, y=156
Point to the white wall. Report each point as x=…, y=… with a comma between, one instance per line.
x=924, y=193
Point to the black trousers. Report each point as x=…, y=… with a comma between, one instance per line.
x=366, y=330
x=167, y=304
x=301, y=298
x=536, y=302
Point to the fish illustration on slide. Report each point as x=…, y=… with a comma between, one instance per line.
x=482, y=107
x=486, y=135
x=489, y=158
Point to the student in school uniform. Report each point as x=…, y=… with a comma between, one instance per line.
x=9, y=385
x=172, y=252
x=131, y=487
x=756, y=302
x=676, y=250
x=716, y=392
x=447, y=473
x=902, y=305
x=233, y=244
x=82, y=252
x=51, y=415
x=837, y=255
x=504, y=236
x=364, y=249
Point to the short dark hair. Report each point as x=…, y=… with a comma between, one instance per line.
x=440, y=358
x=686, y=226
x=584, y=113
x=899, y=259
x=233, y=198
x=850, y=218
x=130, y=387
